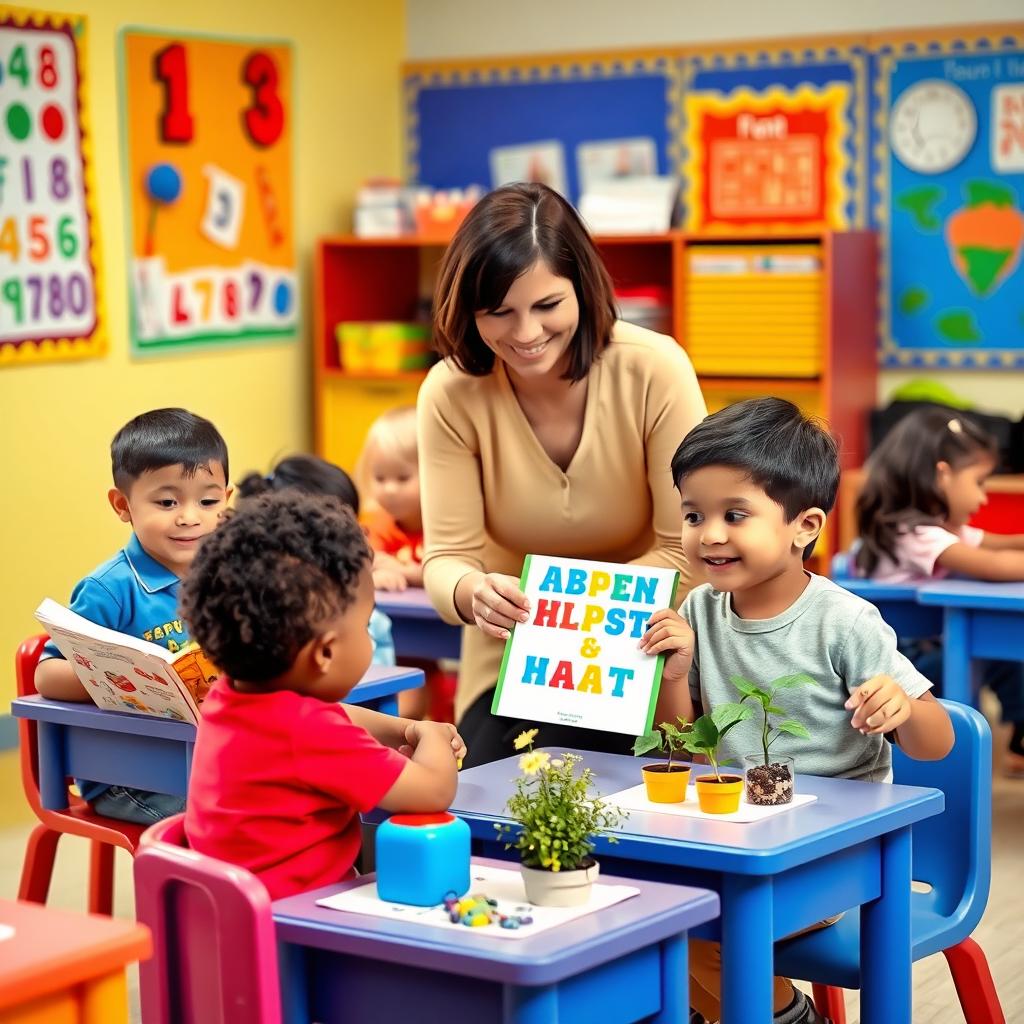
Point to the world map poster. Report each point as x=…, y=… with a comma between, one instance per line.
x=952, y=226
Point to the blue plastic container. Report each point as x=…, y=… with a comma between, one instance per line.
x=421, y=858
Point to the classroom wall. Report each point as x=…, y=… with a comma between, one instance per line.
x=58, y=419
x=469, y=28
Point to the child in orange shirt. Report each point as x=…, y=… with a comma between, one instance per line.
x=388, y=475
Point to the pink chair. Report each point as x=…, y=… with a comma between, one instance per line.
x=215, y=953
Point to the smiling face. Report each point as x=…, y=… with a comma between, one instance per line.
x=533, y=328
x=964, y=488
x=171, y=512
x=739, y=534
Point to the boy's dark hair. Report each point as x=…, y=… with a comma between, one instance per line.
x=790, y=456
x=503, y=236
x=305, y=473
x=263, y=581
x=901, y=490
x=165, y=437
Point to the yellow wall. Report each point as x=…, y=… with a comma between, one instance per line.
x=57, y=420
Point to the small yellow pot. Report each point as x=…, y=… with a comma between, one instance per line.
x=666, y=787
x=719, y=797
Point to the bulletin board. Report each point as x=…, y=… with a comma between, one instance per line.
x=50, y=303
x=457, y=114
x=775, y=139
x=950, y=210
x=207, y=152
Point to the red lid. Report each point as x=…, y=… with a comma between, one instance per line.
x=443, y=818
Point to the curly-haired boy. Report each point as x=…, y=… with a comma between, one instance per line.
x=280, y=598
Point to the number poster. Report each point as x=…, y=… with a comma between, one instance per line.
x=208, y=172
x=49, y=264
x=575, y=662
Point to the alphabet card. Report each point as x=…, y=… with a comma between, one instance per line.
x=576, y=661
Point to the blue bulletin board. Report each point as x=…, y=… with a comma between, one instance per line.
x=457, y=115
x=950, y=206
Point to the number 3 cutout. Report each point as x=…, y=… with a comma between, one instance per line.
x=264, y=119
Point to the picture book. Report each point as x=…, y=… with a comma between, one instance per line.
x=123, y=673
x=576, y=661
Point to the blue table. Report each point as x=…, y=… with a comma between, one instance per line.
x=417, y=629
x=848, y=849
x=980, y=620
x=119, y=748
x=627, y=962
x=898, y=605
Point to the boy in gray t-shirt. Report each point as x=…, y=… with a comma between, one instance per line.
x=757, y=480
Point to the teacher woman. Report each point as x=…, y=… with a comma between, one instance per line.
x=548, y=427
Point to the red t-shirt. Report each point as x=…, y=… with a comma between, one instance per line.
x=387, y=537
x=278, y=781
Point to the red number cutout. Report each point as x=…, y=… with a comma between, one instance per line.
x=264, y=119
x=170, y=69
x=47, y=67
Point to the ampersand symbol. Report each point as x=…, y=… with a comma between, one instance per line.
x=590, y=648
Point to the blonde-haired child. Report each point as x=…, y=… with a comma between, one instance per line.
x=389, y=479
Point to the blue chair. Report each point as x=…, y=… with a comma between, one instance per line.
x=952, y=854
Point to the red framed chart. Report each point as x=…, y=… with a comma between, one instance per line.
x=49, y=260
x=208, y=173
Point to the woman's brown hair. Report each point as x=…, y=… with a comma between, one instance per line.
x=505, y=234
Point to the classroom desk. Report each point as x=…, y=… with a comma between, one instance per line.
x=898, y=605
x=848, y=849
x=624, y=963
x=417, y=629
x=116, y=747
x=65, y=967
x=980, y=620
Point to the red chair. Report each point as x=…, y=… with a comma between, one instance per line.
x=78, y=820
x=215, y=959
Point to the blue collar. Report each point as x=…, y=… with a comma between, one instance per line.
x=150, y=574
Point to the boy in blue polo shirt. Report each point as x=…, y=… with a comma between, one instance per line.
x=171, y=484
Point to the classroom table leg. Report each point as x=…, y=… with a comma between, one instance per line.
x=675, y=982
x=53, y=786
x=291, y=962
x=885, y=951
x=956, y=658
x=748, y=952
x=533, y=1005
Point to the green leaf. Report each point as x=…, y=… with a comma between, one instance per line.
x=788, y=682
x=704, y=733
x=958, y=325
x=979, y=192
x=646, y=743
x=745, y=686
x=913, y=300
x=725, y=716
x=774, y=709
x=794, y=729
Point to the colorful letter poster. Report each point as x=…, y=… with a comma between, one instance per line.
x=49, y=265
x=576, y=662
x=774, y=157
x=208, y=176
x=952, y=234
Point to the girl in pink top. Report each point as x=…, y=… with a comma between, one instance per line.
x=925, y=481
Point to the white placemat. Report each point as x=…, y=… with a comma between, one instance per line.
x=501, y=884
x=635, y=799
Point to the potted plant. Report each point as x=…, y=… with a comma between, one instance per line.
x=557, y=820
x=717, y=793
x=769, y=779
x=665, y=782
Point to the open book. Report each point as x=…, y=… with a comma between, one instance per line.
x=123, y=673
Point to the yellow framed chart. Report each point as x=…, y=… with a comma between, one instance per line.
x=208, y=177
x=50, y=304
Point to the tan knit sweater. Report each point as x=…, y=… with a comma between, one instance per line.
x=491, y=494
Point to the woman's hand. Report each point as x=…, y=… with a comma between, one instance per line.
x=498, y=604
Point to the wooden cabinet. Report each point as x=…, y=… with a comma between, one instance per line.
x=793, y=317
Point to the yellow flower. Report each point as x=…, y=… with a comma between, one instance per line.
x=533, y=762
x=524, y=739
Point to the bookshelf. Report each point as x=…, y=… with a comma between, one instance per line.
x=804, y=330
